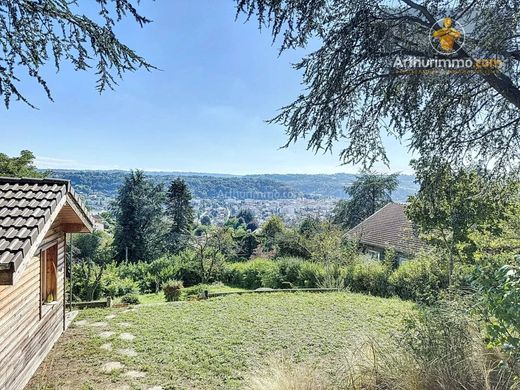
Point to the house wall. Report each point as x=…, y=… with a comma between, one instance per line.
x=370, y=249
x=27, y=330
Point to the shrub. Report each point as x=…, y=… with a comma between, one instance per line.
x=254, y=274
x=447, y=350
x=113, y=285
x=290, y=268
x=368, y=276
x=439, y=348
x=310, y=274
x=333, y=277
x=138, y=272
x=419, y=279
x=162, y=270
x=195, y=290
x=131, y=299
x=172, y=290
x=499, y=300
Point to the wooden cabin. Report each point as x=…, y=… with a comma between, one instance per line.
x=35, y=215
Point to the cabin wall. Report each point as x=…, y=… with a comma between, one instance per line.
x=28, y=330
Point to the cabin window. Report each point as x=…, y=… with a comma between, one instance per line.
x=49, y=274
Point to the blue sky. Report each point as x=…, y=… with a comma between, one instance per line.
x=204, y=111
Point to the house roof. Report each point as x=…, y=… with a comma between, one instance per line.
x=27, y=206
x=389, y=228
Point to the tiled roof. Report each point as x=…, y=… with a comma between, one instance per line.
x=389, y=227
x=25, y=206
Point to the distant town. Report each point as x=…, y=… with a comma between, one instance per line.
x=219, y=196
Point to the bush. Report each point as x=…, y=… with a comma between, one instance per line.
x=195, y=291
x=253, y=274
x=290, y=268
x=368, y=276
x=113, y=285
x=138, y=272
x=447, y=350
x=333, y=277
x=310, y=274
x=172, y=290
x=499, y=300
x=420, y=279
x=131, y=299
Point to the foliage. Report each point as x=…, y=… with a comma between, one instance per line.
x=327, y=245
x=34, y=34
x=205, y=220
x=138, y=213
x=368, y=276
x=130, y=299
x=452, y=204
x=247, y=242
x=292, y=244
x=309, y=226
x=367, y=194
x=445, y=346
x=22, y=166
x=271, y=230
x=180, y=212
x=499, y=300
x=355, y=95
x=172, y=290
x=253, y=274
x=310, y=274
x=115, y=285
x=333, y=277
x=247, y=215
x=86, y=280
x=91, y=255
x=420, y=279
x=210, y=252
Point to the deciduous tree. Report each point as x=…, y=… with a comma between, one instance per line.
x=22, y=166
x=453, y=204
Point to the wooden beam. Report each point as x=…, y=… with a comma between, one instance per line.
x=6, y=277
x=74, y=228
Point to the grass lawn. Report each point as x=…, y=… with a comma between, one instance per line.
x=214, y=344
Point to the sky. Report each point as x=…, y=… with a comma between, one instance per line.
x=204, y=110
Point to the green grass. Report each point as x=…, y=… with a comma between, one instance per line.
x=215, y=344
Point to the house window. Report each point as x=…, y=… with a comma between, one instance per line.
x=49, y=274
x=374, y=255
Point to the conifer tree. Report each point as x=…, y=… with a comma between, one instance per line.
x=180, y=212
x=138, y=211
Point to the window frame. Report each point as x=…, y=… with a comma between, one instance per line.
x=44, y=304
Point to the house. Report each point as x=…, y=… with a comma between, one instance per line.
x=35, y=215
x=388, y=228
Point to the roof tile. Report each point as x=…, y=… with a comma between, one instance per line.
x=389, y=227
x=25, y=206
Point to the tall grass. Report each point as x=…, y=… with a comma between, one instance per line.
x=440, y=349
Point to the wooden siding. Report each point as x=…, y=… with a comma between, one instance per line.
x=28, y=330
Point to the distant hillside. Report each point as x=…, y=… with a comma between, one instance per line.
x=270, y=186
x=334, y=185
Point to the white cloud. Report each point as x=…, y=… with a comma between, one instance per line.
x=44, y=162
